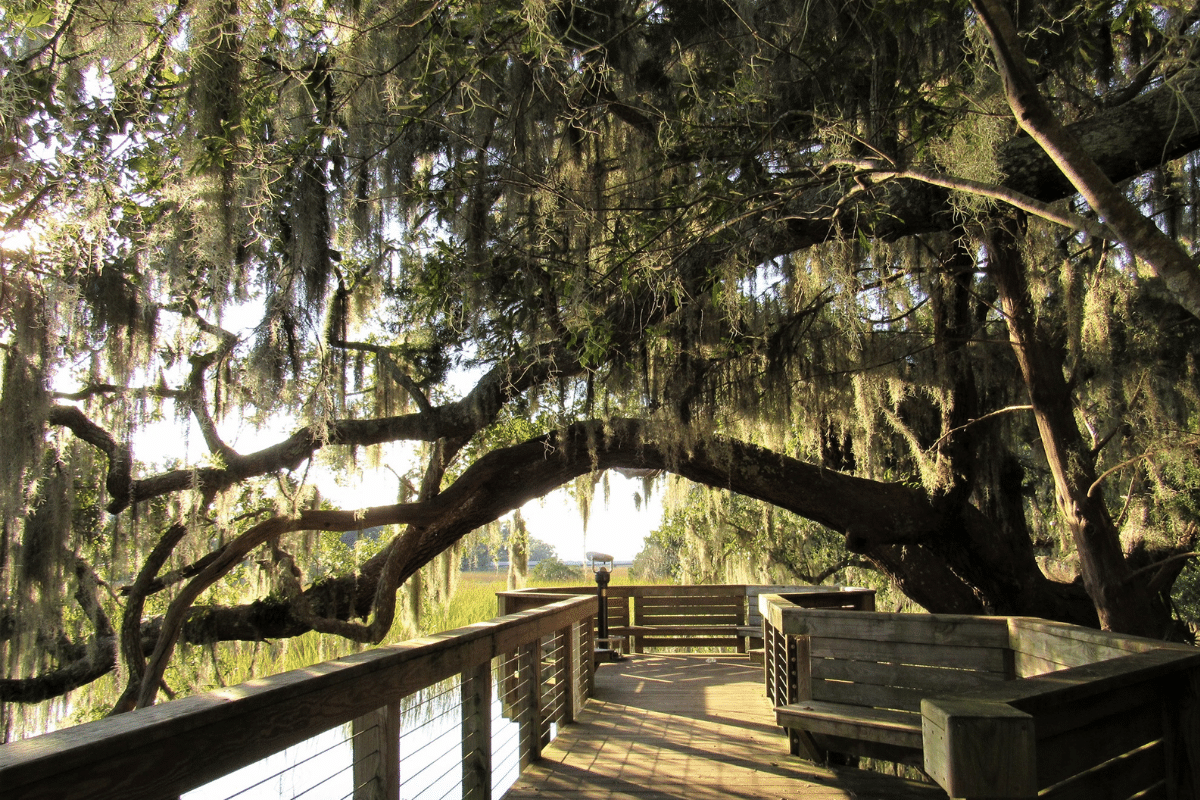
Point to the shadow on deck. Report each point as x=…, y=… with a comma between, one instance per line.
x=688, y=726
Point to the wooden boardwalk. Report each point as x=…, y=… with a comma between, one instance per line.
x=694, y=727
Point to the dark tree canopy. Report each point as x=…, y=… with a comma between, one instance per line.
x=920, y=274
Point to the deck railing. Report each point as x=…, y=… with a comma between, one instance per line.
x=534, y=667
x=459, y=714
x=990, y=706
x=723, y=615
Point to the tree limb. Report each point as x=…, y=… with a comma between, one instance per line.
x=132, y=650
x=1162, y=254
x=1004, y=194
x=119, y=481
x=987, y=416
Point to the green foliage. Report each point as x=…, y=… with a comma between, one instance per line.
x=712, y=536
x=1185, y=597
x=551, y=570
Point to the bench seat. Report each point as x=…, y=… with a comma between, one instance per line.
x=899, y=728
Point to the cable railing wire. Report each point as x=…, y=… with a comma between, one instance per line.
x=430, y=743
x=436, y=781
x=326, y=780
x=525, y=697
x=291, y=768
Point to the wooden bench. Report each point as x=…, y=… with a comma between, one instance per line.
x=726, y=616
x=1124, y=727
x=722, y=616
x=860, y=678
x=688, y=616
x=989, y=706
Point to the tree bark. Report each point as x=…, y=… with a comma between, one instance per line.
x=1123, y=604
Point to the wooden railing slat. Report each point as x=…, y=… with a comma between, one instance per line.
x=1087, y=746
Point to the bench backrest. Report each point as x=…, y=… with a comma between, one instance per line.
x=894, y=660
x=675, y=609
x=1040, y=646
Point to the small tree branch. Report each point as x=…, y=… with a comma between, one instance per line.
x=383, y=357
x=196, y=396
x=969, y=423
x=94, y=389
x=992, y=191
x=1121, y=465
x=1160, y=564
x=131, y=647
x=119, y=481
x=97, y=662
x=88, y=585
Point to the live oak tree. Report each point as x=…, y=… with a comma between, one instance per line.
x=801, y=252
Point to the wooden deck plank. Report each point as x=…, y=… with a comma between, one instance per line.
x=689, y=726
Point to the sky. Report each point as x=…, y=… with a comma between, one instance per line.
x=617, y=528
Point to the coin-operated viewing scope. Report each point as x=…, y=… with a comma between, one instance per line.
x=602, y=564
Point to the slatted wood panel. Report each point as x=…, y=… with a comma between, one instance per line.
x=1040, y=646
x=668, y=727
x=689, y=616
x=1135, y=715
x=692, y=616
x=1125, y=717
x=938, y=629
x=1131, y=774
x=892, y=661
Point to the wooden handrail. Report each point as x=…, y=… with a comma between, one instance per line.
x=171, y=748
x=975, y=741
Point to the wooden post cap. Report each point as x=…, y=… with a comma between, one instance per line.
x=979, y=748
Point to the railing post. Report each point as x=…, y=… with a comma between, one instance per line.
x=976, y=748
x=566, y=671
x=798, y=687
x=589, y=649
x=742, y=618
x=529, y=668
x=376, y=754
x=635, y=645
x=771, y=662
x=477, y=732
x=541, y=708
